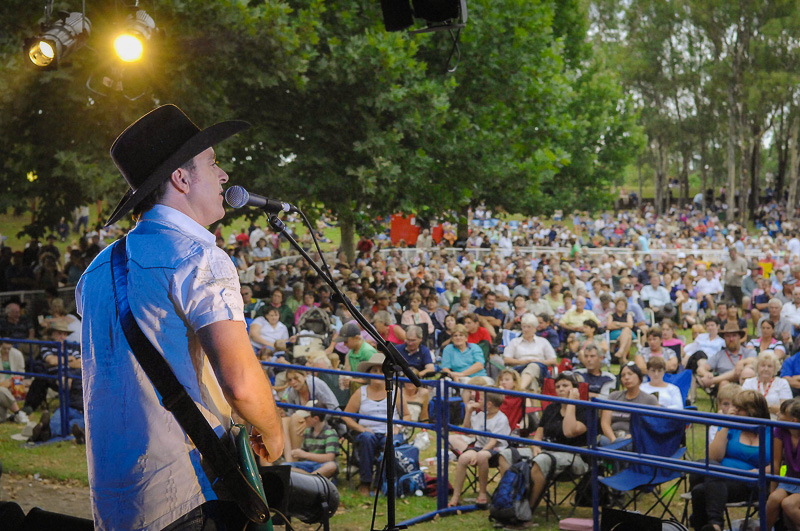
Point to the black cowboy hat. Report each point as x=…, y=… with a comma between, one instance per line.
x=157, y=144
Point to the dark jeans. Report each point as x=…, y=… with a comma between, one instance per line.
x=213, y=515
x=369, y=445
x=734, y=293
x=709, y=499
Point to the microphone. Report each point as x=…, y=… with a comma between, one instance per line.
x=237, y=197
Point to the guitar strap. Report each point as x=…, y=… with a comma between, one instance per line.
x=177, y=401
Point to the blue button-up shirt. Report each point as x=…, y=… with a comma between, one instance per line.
x=144, y=471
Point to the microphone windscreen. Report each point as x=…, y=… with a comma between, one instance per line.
x=236, y=196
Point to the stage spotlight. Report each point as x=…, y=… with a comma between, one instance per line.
x=58, y=40
x=130, y=44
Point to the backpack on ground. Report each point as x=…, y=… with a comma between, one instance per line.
x=510, y=500
x=408, y=477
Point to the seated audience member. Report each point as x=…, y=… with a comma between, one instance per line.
x=735, y=449
x=562, y=424
x=734, y=363
x=477, y=334
x=547, y=330
x=617, y=424
x=620, y=327
x=782, y=327
x=590, y=337
x=601, y=383
x=731, y=313
x=417, y=316
x=574, y=318
x=446, y=335
x=537, y=305
x=416, y=401
x=786, y=497
x=489, y=316
x=513, y=406
x=416, y=354
x=513, y=320
x=460, y=359
x=49, y=359
x=704, y=345
x=269, y=336
x=530, y=354
x=725, y=398
x=708, y=288
x=669, y=395
x=384, y=324
x=463, y=306
x=317, y=454
x=358, y=351
x=670, y=340
x=485, y=449
x=791, y=310
x=308, y=303
x=370, y=400
x=436, y=312
x=11, y=359
x=656, y=349
x=767, y=342
x=774, y=389
x=303, y=388
x=657, y=298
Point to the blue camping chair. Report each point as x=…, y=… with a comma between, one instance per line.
x=683, y=380
x=653, y=436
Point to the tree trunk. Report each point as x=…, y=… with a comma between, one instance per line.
x=782, y=147
x=704, y=172
x=639, y=167
x=794, y=158
x=731, y=156
x=744, y=183
x=462, y=232
x=659, y=180
x=684, y=196
x=347, y=229
x=755, y=170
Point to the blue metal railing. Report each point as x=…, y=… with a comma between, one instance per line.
x=441, y=426
x=62, y=375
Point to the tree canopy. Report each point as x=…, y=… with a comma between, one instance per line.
x=347, y=117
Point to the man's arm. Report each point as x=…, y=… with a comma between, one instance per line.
x=243, y=382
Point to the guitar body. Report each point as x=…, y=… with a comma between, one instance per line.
x=249, y=467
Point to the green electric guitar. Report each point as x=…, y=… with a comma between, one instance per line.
x=249, y=467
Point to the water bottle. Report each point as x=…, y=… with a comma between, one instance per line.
x=422, y=441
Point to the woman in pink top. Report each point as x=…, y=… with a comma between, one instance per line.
x=390, y=332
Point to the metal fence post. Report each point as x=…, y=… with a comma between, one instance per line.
x=442, y=467
x=63, y=392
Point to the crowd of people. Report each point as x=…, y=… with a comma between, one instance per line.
x=525, y=302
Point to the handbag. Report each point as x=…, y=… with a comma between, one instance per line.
x=230, y=481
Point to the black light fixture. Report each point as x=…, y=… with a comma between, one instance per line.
x=57, y=39
x=131, y=43
x=439, y=15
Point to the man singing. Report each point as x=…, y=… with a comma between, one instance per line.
x=144, y=471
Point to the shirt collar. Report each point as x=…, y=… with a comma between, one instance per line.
x=182, y=222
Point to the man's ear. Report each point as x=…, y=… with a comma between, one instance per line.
x=180, y=180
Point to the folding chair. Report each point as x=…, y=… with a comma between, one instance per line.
x=575, y=487
x=652, y=436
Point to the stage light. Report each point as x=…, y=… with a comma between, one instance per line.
x=128, y=48
x=130, y=45
x=58, y=40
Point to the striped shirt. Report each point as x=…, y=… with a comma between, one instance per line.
x=327, y=442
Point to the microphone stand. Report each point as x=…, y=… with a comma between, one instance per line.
x=391, y=366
